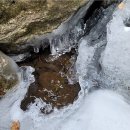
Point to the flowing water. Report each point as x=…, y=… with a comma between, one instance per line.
x=85, y=89
x=55, y=80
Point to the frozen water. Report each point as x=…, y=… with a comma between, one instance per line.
x=66, y=36
x=84, y=61
x=60, y=44
x=90, y=48
x=105, y=63
x=115, y=59
x=20, y=57
x=101, y=110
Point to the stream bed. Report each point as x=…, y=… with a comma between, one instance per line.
x=55, y=81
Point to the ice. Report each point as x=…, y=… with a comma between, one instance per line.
x=40, y=120
x=115, y=59
x=101, y=110
x=90, y=49
x=20, y=57
x=68, y=34
x=60, y=44
x=127, y=29
x=10, y=107
x=83, y=63
x=104, y=54
x=36, y=49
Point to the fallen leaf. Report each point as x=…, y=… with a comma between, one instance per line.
x=121, y=5
x=15, y=125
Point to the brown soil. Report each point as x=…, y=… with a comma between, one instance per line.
x=51, y=83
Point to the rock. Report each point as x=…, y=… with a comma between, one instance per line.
x=115, y=59
x=8, y=73
x=21, y=20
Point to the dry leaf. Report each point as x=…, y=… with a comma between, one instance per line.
x=15, y=125
x=121, y=5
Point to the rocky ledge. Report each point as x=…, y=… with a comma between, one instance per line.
x=21, y=20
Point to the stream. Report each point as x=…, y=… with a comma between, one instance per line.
x=80, y=81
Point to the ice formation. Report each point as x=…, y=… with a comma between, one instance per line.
x=101, y=110
x=115, y=59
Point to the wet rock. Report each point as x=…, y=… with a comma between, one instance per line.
x=8, y=73
x=21, y=20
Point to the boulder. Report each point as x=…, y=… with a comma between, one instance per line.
x=8, y=73
x=21, y=20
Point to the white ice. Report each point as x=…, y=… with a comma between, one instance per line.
x=115, y=59
x=10, y=103
x=101, y=110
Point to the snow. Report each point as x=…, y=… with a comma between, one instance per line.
x=115, y=59
x=101, y=110
x=83, y=63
